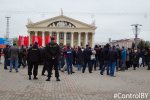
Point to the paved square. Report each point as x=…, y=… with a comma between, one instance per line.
x=78, y=86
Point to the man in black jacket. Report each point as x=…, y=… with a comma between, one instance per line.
x=52, y=52
x=87, y=58
x=6, y=56
x=112, y=61
x=148, y=59
x=33, y=58
x=105, y=56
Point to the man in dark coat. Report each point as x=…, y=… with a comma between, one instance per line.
x=14, y=52
x=135, y=59
x=79, y=58
x=52, y=52
x=148, y=59
x=21, y=57
x=6, y=56
x=112, y=61
x=87, y=58
x=105, y=55
x=33, y=58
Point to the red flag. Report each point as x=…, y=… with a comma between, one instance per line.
x=34, y=39
x=47, y=39
x=40, y=40
x=26, y=40
x=22, y=41
x=19, y=41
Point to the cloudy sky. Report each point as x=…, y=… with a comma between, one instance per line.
x=113, y=17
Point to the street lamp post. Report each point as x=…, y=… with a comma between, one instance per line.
x=7, y=27
x=136, y=33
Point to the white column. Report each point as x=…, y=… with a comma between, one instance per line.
x=43, y=38
x=72, y=39
x=29, y=38
x=57, y=37
x=93, y=39
x=79, y=39
x=50, y=33
x=64, y=38
x=36, y=33
x=86, y=39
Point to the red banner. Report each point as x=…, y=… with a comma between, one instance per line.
x=37, y=39
x=26, y=40
x=23, y=40
x=47, y=39
x=40, y=40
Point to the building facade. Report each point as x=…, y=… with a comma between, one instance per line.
x=127, y=43
x=67, y=31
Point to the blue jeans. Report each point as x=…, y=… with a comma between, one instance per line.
x=93, y=64
x=112, y=68
x=79, y=67
x=69, y=65
x=61, y=63
x=15, y=62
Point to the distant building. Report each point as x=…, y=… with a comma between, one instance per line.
x=127, y=43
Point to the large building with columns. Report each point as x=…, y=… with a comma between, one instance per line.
x=67, y=31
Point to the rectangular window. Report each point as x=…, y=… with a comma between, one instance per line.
x=61, y=35
x=53, y=33
x=68, y=36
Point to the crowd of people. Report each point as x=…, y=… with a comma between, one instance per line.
x=64, y=58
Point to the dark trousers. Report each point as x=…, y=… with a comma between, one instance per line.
x=34, y=66
x=135, y=65
x=85, y=64
x=127, y=64
x=50, y=64
x=106, y=65
x=148, y=66
x=6, y=63
x=101, y=64
x=21, y=62
x=44, y=68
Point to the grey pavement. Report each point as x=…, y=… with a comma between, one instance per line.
x=78, y=86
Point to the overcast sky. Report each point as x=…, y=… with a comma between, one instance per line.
x=113, y=17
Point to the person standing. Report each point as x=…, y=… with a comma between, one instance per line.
x=21, y=57
x=148, y=50
x=87, y=58
x=105, y=58
x=93, y=59
x=112, y=60
x=123, y=58
x=6, y=56
x=33, y=59
x=135, y=59
x=14, y=52
x=52, y=52
x=79, y=58
x=69, y=59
